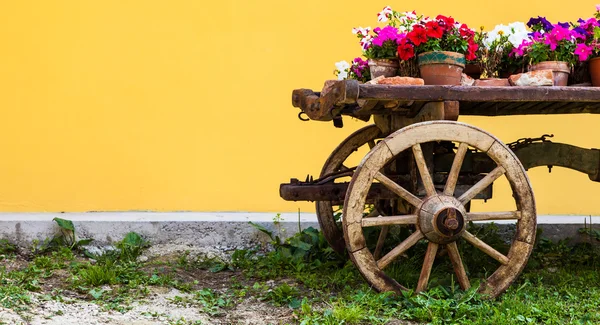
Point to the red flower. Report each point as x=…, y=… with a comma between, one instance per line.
x=418, y=35
x=406, y=51
x=445, y=22
x=466, y=32
x=472, y=50
x=434, y=29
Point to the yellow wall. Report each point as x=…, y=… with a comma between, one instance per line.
x=185, y=105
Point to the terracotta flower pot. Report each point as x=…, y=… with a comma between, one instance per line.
x=441, y=67
x=595, y=71
x=492, y=82
x=560, y=70
x=472, y=70
x=383, y=67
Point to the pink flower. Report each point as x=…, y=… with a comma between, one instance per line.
x=583, y=52
x=388, y=33
x=557, y=34
x=521, y=49
x=597, y=7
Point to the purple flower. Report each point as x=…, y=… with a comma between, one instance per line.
x=580, y=33
x=540, y=22
x=589, y=24
x=564, y=25
x=536, y=36
x=583, y=52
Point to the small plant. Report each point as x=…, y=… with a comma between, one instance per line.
x=284, y=294
x=548, y=42
x=6, y=247
x=498, y=44
x=97, y=275
x=358, y=70
x=67, y=237
x=588, y=36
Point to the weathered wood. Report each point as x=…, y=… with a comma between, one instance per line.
x=400, y=249
x=427, y=266
x=484, y=216
x=372, y=273
x=457, y=264
x=324, y=208
x=479, y=94
x=455, y=169
x=506, y=274
x=489, y=250
x=380, y=242
x=354, y=202
x=423, y=170
x=399, y=190
x=441, y=218
x=482, y=184
x=389, y=221
x=483, y=101
x=327, y=194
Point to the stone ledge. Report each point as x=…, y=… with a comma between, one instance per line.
x=223, y=230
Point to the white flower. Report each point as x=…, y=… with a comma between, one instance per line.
x=409, y=15
x=382, y=17
x=365, y=43
x=516, y=33
x=342, y=68
x=361, y=31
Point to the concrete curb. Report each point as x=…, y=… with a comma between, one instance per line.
x=223, y=230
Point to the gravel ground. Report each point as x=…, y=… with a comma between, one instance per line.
x=157, y=308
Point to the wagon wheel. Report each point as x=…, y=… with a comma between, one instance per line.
x=335, y=163
x=440, y=218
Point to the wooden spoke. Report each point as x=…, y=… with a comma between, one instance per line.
x=455, y=169
x=398, y=250
x=458, y=266
x=423, y=170
x=371, y=144
x=427, y=266
x=343, y=167
x=399, y=190
x=481, y=216
x=485, y=248
x=410, y=219
x=481, y=185
x=380, y=242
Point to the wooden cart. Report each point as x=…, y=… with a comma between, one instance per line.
x=423, y=169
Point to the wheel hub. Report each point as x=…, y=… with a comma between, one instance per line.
x=442, y=219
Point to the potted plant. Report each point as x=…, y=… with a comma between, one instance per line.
x=380, y=48
x=442, y=47
x=552, y=47
x=498, y=44
x=588, y=49
x=358, y=70
x=474, y=68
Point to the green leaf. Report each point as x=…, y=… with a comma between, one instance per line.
x=84, y=242
x=295, y=303
x=262, y=229
x=218, y=268
x=133, y=239
x=296, y=242
x=96, y=293
x=65, y=224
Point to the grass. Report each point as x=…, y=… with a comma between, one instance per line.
x=304, y=279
